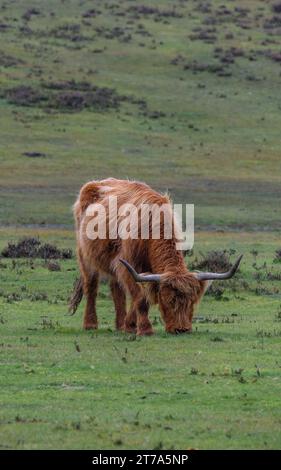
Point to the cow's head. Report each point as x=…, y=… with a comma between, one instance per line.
x=179, y=293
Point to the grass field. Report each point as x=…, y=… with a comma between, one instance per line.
x=184, y=95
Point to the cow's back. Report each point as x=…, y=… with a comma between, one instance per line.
x=103, y=254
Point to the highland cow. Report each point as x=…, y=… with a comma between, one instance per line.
x=150, y=271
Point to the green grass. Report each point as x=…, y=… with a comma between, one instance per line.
x=65, y=388
x=218, y=135
x=217, y=145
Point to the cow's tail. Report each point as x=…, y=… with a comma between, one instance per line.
x=76, y=297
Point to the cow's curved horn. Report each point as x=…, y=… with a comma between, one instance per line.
x=141, y=277
x=219, y=276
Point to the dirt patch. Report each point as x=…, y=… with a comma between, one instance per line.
x=34, y=154
x=33, y=248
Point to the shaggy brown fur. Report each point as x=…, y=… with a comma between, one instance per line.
x=177, y=293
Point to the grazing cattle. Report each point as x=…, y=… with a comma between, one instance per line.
x=164, y=279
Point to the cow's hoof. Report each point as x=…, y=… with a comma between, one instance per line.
x=145, y=332
x=130, y=330
x=90, y=326
x=180, y=331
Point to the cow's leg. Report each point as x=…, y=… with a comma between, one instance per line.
x=144, y=326
x=119, y=299
x=90, y=282
x=130, y=323
x=137, y=318
x=90, y=285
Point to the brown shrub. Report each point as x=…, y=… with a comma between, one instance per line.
x=32, y=248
